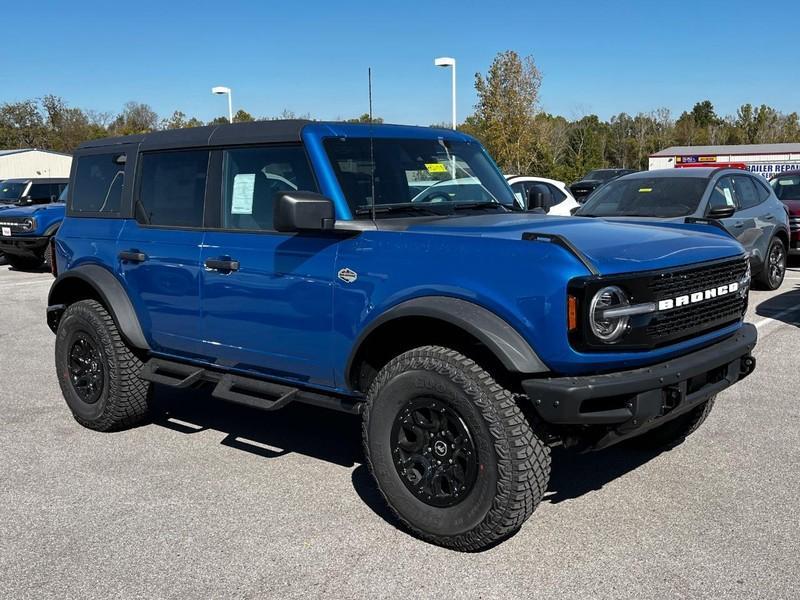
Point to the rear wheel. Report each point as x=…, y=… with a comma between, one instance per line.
x=675, y=432
x=97, y=372
x=774, y=270
x=452, y=454
x=24, y=263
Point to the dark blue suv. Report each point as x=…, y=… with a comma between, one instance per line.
x=383, y=270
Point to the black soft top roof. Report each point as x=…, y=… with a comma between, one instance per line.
x=210, y=135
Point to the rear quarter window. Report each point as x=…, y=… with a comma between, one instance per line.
x=99, y=179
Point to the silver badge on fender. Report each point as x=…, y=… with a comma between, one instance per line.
x=347, y=275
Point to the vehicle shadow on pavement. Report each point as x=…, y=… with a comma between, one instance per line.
x=573, y=474
x=299, y=428
x=783, y=307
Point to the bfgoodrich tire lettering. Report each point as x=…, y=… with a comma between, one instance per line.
x=123, y=400
x=514, y=465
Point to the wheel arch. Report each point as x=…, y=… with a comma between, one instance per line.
x=445, y=321
x=97, y=283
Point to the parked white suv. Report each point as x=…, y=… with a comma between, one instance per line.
x=562, y=201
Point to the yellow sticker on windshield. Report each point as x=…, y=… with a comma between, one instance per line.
x=435, y=168
x=645, y=190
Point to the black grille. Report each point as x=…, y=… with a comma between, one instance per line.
x=696, y=318
x=668, y=285
x=663, y=327
x=15, y=223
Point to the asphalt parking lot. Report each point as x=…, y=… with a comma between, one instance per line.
x=215, y=500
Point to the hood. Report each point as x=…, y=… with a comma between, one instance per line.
x=34, y=209
x=612, y=246
x=793, y=206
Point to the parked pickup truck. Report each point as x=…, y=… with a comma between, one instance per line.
x=382, y=270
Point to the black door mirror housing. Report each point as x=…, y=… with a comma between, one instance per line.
x=540, y=198
x=721, y=212
x=303, y=211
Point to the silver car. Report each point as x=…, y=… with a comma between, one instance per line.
x=744, y=204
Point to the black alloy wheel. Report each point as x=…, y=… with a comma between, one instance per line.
x=86, y=369
x=776, y=264
x=433, y=452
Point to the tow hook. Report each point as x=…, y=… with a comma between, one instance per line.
x=747, y=366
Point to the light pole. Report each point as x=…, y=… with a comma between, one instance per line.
x=446, y=61
x=221, y=90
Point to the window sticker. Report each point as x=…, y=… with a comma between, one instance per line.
x=436, y=168
x=242, y=201
x=728, y=196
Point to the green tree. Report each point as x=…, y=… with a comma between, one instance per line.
x=242, y=116
x=507, y=104
x=364, y=118
x=136, y=117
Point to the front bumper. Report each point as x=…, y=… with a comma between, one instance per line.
x=628, y=403
x=23, y=245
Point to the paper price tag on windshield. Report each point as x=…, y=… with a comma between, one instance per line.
x=7, y=231
x=242, y=201
x=436, y=168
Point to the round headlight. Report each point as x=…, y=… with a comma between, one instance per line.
x=605, y=327
x=27, y=224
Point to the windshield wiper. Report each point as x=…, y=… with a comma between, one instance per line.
x=479, y=205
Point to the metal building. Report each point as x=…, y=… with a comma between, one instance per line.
x=763, y=159
x=29, y=162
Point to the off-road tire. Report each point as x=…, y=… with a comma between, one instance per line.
x=47, y=258
x=23, y=263
x=776, y=258
x=124, y=399
x=675, y=432
x=514, y=464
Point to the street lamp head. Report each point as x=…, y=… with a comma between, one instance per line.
x=220, y=89
x=444, y=61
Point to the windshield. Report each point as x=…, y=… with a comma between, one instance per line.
x=601, y=174
x=787, y=187
x=11, y=192
x=646, y=197
x=415, y=175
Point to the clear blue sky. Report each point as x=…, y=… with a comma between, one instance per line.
x=312, y=56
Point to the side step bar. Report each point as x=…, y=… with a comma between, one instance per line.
x=249, y=391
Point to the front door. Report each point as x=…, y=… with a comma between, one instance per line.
x=267, y=297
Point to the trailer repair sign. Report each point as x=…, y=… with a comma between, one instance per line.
x=767, y=170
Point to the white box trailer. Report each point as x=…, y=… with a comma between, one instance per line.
x=28, y=162
x=763, y=159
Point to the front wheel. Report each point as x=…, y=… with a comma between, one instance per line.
x=450, y=450
x=774, y=270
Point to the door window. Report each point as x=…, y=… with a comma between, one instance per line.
x=41, y=192
x=520, y=193
x=172, y=188
x=723, y=194
x=251, y=177
x=98, y=183
x=745, y=192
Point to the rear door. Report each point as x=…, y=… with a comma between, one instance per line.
x=267, y=296
x=158, y=251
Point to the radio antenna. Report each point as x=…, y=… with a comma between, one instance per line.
x=371, y=149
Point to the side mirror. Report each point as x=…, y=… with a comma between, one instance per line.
x=303, y=211
x=27, y=199
x=721, y=212
x=540, y=198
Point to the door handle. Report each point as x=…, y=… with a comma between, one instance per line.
x=223, y=265
x=738, y=224
x=132, y=256
x=770, y=217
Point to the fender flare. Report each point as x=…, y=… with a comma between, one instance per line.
x=113, y=296
x=51, y=231
x=495, y=333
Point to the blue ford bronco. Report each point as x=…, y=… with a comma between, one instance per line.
x=31, y=211
x=384, y=270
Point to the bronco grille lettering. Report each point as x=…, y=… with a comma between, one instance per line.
x=695, y=297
